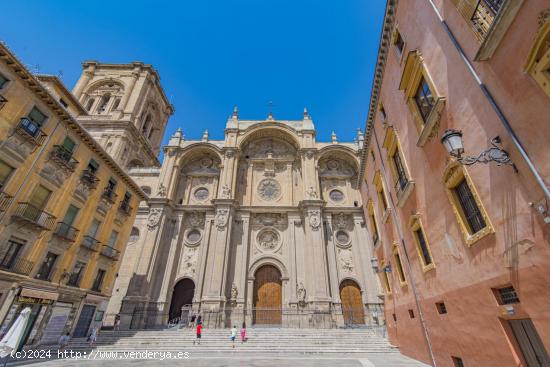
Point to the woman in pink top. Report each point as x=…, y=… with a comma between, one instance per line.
x=243, y=333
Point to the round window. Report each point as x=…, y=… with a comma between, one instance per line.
x=342, y=237
x=201, y=193
x=193, y=236
x=336, y=196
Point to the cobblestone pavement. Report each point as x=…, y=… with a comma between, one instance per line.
x=235, y=361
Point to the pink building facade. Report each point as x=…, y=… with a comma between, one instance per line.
x=463, y=251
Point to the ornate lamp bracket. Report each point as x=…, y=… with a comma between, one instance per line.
x=494, y=154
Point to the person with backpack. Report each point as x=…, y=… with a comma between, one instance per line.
x=199, y=334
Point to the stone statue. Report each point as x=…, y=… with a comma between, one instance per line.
x=301, y=293
x=226, y=192
x=234, y=292
x=162, y=190
x=154, y=218
x=315, y=219
x=311, y=193
x=221, y=218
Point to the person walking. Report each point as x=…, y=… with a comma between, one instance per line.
x=93, y=336
x=199, y=334
x=199, y=319
x=233, y=335
x=117, y=322
x=243, y=333
x=64, y=341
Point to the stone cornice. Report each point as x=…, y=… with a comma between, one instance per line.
x=65, y=117
x=385, y=42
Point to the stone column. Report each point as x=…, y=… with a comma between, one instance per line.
x=241, y=264
x=130, y=90
x=332, y=265
x=201, y=260
x=84, y=80
x=170, y=265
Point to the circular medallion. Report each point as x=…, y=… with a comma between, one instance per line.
x=268, y=239
x=342, y=238
x=193, y=237
x=206, y=162
x=336, y=195
x=201, y=194
x=269, y=189
x=332, y=164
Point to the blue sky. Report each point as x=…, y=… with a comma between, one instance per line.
x=212, y=55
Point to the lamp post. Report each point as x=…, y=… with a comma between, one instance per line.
x=453, y=142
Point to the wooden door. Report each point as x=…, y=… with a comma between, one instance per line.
x=530, y=343
x=352, y=304
x=267, y=296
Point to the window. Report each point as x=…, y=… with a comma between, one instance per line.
x=3, y=80
x=402, y=184
x=398, y=42
x=46, y=269
x=146, y=124
x=90, y=104
x=116, y=103
x=441, y=308
x=422, y=246
x=507, y=296
x=5, y=173
x=469, y=211
x=385, y=278
x=112, y=239
x=423, y=99
x=457, y=361
x=66, y=149
x=411, y=314
x=76, y=275
x=33, y=122
x=98, y=281
x=102, y=107
x=14, y=248
x=399, y=265
x=125, y=203
x=40, y=197
x=63, y=103
x=374, y=226
x=538, y=62
x=90, y=237
x=383, y=113
x=110, y=189
x=394, y=317
x=381, y=194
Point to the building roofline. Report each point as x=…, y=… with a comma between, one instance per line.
x=66, y=92
x=44, y=94
x=383, y=48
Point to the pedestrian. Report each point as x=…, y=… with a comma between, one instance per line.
x=192, y=322
x=93, y=336
x=233, y=335
x=199, y=319
x=117, y=322
x=63, y=341
x=243, y=333
x=199, y=334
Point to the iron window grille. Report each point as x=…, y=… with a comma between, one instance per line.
x=469, y=207
x=441, y=308
x=508, y=295
x=423, y=247
x=484, y=15
x=402, y=179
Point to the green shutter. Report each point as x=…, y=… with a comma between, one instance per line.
x=69, y=144
x=37, y=117
x=70, y=215
x=40, y=197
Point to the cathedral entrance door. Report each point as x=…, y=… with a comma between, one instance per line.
x=184, y=290
x=267, y=296
x=352, y=304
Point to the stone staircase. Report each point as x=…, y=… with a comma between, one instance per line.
x=260, y=341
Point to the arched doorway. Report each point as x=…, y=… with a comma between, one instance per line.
x=352, y=303
x=183, y=293
x=268, y=296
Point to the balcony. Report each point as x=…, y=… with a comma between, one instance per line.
x=403, y=188
x=19, y=266
x=484, y=15
x=74, y=280
x=3, y=101
x=45, y=274
x=110, y=252
x=30, y=131
x=66, y=231
x=125, y=208
x=64, y=158
x=35, y=216
x=90, y=243
x=89, y=179
x=5, y=201
x=109, y=195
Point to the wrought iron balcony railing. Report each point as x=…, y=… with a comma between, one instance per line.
x=3, y=101
x=5, y=201
x=110, y=252
x=19, y=266
x=484, y=14
x=74, y=280
x=109, y=195
x=400, y=185
x=125, y=208
x=89, y=178
x=45, y=273
x=33, y=215
x=64, y=157
x=90, y=243
x=31, y=131
x=66, y=231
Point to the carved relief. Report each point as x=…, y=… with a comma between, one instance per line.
x=340, y=220
x=195, y=219
x=345, y=259
x=315, y=219
x=53, y=173
x=269, y=219
x=154, y=218
x=234, y=292
x=301, y=293
x=161, y=190
x=268, y=239
x=226, y=192
x=190, y=261
x=269, y=189
x=222, y=217
x=335, y=168
x=270, y=148
x=311, y=193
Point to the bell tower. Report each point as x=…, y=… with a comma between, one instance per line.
x=127, y=110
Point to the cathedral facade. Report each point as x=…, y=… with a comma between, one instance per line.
x=266, y=226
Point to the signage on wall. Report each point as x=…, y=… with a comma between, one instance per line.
x=34, y=301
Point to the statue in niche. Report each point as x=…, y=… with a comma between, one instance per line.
x=234, y=292
x=161, y=190
x=311, y=193
x=301, y=293
x=226, y=192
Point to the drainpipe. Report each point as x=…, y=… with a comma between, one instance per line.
x=393, y=210
x=493, y=103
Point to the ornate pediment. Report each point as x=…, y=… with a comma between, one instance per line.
x=269, y=219
x=206, y=166
x=270, y=148
x=335, y=168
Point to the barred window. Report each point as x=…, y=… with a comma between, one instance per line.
x=469, y=207
x=508, y=295
x=426, y=257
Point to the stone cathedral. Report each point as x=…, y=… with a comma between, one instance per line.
x=266, y=226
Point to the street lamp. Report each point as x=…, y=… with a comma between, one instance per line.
x=452, y=141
